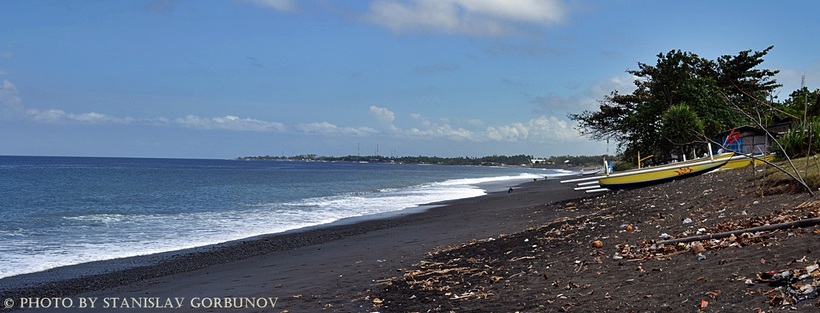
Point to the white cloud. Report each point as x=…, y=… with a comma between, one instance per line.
x=325, y=128
x=622, y=83
x=552, y=130
x=422, y=119
x=533, y=11
x=55, y=115
x=443, y=129
x=793, y=79
x=279, y=5
x=539, y=130
x=470, y=17
x=10, y=102
x=384, y=116
x=95, y=117
x=46, y=116
x=229, y=122
x=509, y=133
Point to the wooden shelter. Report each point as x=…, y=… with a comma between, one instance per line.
x=745, y=140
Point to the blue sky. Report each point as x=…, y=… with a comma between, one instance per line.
x=228, y=78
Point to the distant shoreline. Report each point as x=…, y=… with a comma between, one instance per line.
x=516, y=160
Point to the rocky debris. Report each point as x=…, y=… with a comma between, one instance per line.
x=622, y=256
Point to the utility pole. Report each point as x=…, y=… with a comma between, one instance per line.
x=805, y=97
x=806, y=125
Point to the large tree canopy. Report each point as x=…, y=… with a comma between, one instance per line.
x=691, y=86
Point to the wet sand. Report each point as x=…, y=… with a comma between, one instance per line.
x=304, y=271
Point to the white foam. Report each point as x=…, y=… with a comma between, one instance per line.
x=98, y=218
x=124, y=235
x=481, y=180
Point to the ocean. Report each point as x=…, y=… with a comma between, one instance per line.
x=59, y=211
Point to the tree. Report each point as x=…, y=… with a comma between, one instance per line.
x=708, y=88
x=743, y=84
x=681, y=126
x=797, y=102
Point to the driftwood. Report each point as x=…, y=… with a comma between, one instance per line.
x=795, y=224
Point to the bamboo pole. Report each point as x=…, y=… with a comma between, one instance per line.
x=795, y=224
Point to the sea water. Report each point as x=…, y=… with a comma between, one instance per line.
x=57, y=211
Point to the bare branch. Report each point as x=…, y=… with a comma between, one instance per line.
x=796, y=176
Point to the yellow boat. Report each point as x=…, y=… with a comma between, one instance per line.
x=740, y=160
x=661, y=174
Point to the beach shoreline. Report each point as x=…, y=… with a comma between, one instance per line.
x=532, y=249
x=112, y=275
x=72, y=271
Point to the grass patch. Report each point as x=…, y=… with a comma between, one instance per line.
x=779, y=182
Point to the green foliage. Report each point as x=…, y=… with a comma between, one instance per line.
x=487, y=160
x=623, y=166
x=743, y=83
x=796, y=105
x=680, y=126
x=796, y=140
x=708, y=88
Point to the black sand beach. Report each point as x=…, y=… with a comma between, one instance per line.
x=528, y=250
x=321, y=267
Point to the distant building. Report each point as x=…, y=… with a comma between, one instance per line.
x=538, y=161
x=780, y=126
x=744, y=140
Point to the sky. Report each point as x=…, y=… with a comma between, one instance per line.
x=231, y=78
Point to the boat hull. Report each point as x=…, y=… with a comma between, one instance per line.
x=591, y=172
x=740, y=161
x=662, y=175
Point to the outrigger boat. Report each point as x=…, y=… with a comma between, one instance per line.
x=593, y=171
x=742, y=160
x=651, y=175
x=582, y=172
x=662, y=174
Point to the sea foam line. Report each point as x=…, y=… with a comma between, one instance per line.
x=123, y=235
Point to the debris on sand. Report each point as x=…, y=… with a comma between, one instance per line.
x=657, y=263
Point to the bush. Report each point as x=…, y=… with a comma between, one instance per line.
x=795, y=141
